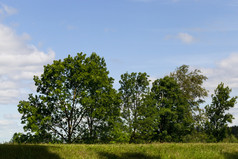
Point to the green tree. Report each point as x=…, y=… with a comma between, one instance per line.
x=148, y=118
x=234, y=130
x=75, y=100
x=175, y=117
x=101, y=101
x=19, y=138
x=36, y=138
x=190, y=82
x=218, y=118
x=133, y=89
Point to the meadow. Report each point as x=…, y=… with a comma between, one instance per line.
x=120, y=151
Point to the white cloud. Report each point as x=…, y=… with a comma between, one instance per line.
x=7, y=10
x=6, y=122
x=19, y=61
x=71, y=27
x=186, y=38
x=8, y=128
x=183, y=37
x=234, y=112
x=12, y=116
x=225, y=71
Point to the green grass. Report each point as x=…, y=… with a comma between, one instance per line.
x=121, y=151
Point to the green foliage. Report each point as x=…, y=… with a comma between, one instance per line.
x=230, y=139
x=195, y=137
x=76, y=103
x=36, y=138
x=75, y=100
x=175, y=118
x=234, y=131
x=19, y=138
x=190, y=83
x=218, y=119
x=133, y=90
x=148, y=119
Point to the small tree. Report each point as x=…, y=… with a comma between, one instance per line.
x=218, y=118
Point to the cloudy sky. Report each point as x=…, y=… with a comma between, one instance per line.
x=153, y=36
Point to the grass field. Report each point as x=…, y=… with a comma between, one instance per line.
x=121, y=151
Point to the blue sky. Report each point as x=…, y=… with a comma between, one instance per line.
x=153, y=36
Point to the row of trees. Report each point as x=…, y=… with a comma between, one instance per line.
x=76, y=103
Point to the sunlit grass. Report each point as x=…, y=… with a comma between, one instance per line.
x=121, y=151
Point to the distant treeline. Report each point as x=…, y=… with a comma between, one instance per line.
x=76, y=103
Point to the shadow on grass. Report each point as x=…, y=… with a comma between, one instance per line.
x=27, y=152
x=232, y=155
x=128, y=155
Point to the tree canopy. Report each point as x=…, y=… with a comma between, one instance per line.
x=218, y=118
x=75, y=102
x=133, y=90
x=75, y=99
x=190, y=83
x=173, y=110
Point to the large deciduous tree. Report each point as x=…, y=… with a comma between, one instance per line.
x=218, y=118
x=191, y=85
x=75, y=100
x=175, y=118
x=133, y=89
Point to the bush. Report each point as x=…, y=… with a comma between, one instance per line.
x=195, y=137
x=230, y=139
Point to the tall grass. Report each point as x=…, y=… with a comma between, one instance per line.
x=122, y=151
